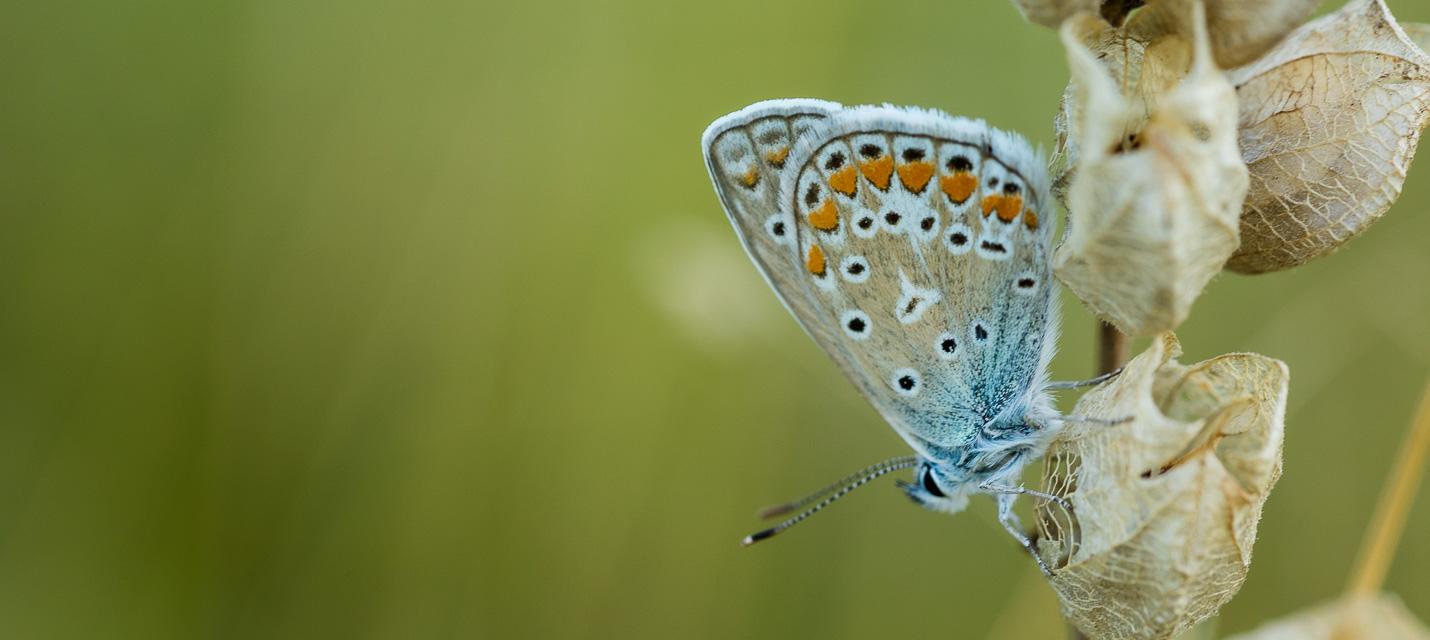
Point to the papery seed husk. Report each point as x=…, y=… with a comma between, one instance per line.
x=1051, y=13
x=1329, y=123
x=1381, y=617
x=1165, y=506
x=1156, y=187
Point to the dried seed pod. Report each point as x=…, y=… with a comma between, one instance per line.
x=1164, y=507
x=1240, y=31
x=1051, y=13
x=1147, y=63
x=1382, y=617
x=1329, y=123
x=1156, y=186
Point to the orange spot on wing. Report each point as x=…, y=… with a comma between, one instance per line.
x=777, y=158
x=750, y=178
x=959, y=186
x=826, y=217
x=844, y=180
x=916, y=175
x=990, y=203
x=1009, y=208
x=1030, y=219
x=814, y=262
x=878, y=170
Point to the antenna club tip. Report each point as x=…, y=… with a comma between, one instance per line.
x=756, y=537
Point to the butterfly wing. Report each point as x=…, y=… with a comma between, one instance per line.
x=915, y=253
x=747, y=154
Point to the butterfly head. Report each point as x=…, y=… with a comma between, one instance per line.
x=935, y=490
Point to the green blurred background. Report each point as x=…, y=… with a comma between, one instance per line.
x=371, y=319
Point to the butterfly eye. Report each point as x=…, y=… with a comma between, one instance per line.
x=931, y=485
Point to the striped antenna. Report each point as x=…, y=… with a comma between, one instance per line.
x=834, y=492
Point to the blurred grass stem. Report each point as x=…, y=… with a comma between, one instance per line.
x=1383, y=535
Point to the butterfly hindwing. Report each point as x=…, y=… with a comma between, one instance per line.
x=917, y=258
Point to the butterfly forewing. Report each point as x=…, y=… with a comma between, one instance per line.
x=748, y=154
x=915, y=254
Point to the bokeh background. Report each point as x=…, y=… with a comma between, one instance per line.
x=371, y=319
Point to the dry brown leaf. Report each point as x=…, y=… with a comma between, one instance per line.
x=1165, y=506
x=1383, y=617
x=1156, y=186
x=1329, y=123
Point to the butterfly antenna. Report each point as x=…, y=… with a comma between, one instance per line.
x=790, y=507
x=834, y=492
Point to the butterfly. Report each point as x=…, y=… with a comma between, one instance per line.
x=913, y=246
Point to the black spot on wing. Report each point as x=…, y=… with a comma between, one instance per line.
x=959, y=163
x=811, y=195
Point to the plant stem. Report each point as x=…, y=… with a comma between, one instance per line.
x=1111, y=354
x=1383, y=535
x=1111, y=348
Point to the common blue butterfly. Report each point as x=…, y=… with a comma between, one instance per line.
x=913, y=246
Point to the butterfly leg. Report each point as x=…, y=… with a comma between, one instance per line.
x=1015, y=528
x=1106, y=422
x=1075, y=384
x=1013, y=492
